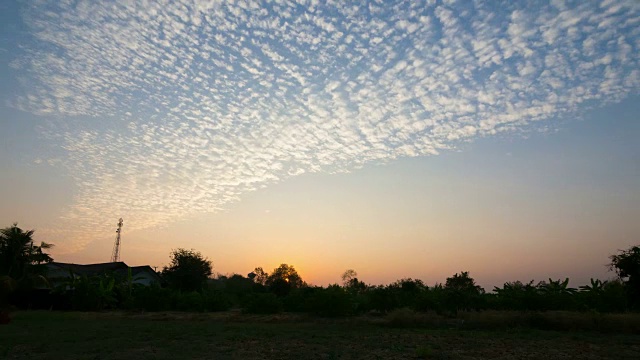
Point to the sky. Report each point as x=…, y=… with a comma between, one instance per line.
x=397, y=138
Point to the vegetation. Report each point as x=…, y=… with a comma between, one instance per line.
x=188, y=270
x=21, y=263
x=188, y=286
x=232, y=335
x=627, y=265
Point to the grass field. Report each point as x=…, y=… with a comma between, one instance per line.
x=56, y=335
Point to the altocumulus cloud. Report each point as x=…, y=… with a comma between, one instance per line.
x=168, y=109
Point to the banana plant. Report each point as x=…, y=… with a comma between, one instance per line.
x=596, y=287
x=558, y=287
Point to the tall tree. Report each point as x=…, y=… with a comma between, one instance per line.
x=287, y=273
x=21, y=263
x=19, y=256
x=627, y=265
x=283, y=279
x=259, y=276
x=188, y=271
x=348, y=276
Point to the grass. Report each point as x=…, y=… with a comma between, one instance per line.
x=232, y=335
x=507, y=320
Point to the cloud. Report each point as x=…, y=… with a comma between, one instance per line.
x=168, y=109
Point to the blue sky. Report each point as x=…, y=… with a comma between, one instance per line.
x=188, y=114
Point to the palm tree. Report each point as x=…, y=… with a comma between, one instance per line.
x=19, y=256
x=21, y=261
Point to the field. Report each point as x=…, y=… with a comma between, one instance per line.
x=232, y=335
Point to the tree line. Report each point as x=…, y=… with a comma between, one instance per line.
x=188, y=284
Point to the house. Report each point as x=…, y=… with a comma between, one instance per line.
x=143, y=275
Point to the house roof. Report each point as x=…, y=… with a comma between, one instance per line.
x=90, y=269
x=101, y=268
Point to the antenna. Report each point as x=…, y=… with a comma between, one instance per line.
x=115, y=256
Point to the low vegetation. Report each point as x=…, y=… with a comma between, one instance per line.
x=234, y=335
x=188, y=286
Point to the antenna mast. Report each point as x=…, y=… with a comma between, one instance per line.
x=115, y=256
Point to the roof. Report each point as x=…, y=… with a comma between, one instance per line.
x=91, y=269
x=102, y=268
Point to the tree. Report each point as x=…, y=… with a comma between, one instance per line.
x=19, y=256
x=259, y=276
x=463, y=282
x=348, y=276
x=188, y=270
x=21, y=262
x=627, y=265
x=283, y=279
x=462, y=292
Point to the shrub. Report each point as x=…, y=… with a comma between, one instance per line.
x=330, y=302
x=297, y=300
x=216, y=301
x=382, y=299
x=263, y=303
x=152, y=298
x=191, y=301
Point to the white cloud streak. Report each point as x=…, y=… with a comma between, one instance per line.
x=180, y=107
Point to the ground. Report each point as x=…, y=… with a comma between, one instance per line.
x=56, y=335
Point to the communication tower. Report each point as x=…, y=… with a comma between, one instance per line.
x=115, y=256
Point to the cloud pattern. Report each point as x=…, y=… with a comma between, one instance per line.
x=167, y=109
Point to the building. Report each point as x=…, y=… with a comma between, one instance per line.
x=143, y=275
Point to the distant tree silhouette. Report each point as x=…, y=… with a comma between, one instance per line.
x=462, y=292
x=188, y=270
x=259, y=276
x=462, y=282
x=21, y=263
x=283, y=279
x=627, y=265
x=19, y=256
x=348, y=276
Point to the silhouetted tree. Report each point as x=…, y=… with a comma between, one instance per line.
x=348, y=276
x=19, y=256
x=627, y=265
x=188, y=270
x=21, y=263
x=259, y=276
x=462, y=292
x=283, y=279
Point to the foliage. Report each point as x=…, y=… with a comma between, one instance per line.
x=462, y=293
x=190, y=301
x=89, y=293
x=21, y=262
x=20, y=258
x=627, y=265
x=152, y=298
x=331, y=302
x=259, y=276
x=348, y=276
x=18, y=252
x=188, y=270
x=213, y=300
x=263, y=303
x=189, y=289
x=283, y=279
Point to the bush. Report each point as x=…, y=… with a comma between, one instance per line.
x=263, y=303
x=216, y=301
x=382, y=299
x=297, y=300
x=431, y=300
x=191, y=301
x=152, y=298
x=331, y=302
